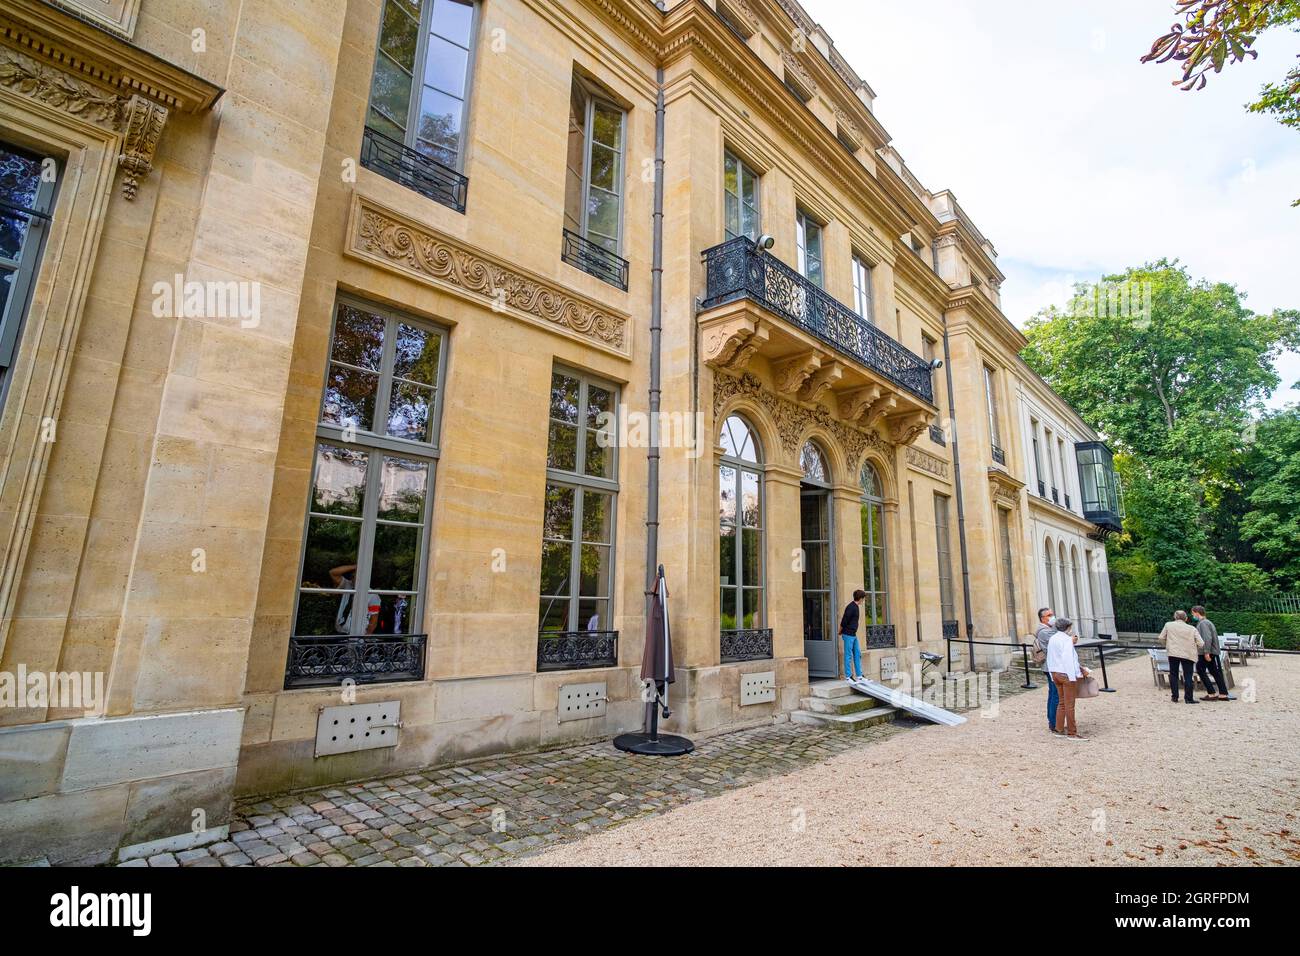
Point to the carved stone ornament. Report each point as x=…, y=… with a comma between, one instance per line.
x=800, y=73
x=924, y=461
x=145, y=120
x=406, y=248
x=846, y=123
x=741, y=11
x=819, y=381
x=790, y=374
x=907, y=427
x=728, y=346
x=55, y=88
x=794, y=420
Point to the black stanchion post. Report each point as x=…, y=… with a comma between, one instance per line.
x=1024, y=654
x=1101, y=656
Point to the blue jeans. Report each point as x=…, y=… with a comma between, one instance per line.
x=1052, y=698
x=851, y=646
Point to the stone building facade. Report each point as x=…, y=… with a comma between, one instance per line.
x=326, y=372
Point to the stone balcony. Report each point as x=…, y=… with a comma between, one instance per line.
x=756, y=305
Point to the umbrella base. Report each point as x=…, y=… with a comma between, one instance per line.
x=668, y=745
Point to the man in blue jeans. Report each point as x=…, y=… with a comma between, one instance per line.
x=1047, y=627
x=849, y=635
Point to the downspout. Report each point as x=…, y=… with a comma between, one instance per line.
x=961, y=507
x=656, y=336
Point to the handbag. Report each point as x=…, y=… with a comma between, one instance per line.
x=1086, y=687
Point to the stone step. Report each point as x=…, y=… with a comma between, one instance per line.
x=830, y=689
x=853, y=704
x=859, y=721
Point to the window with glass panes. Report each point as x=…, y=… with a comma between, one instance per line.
x=740, y=196
x=420, y=87
x=808, y=240
x=991, y=400
x=26, y=200
x=943, y=545
x=862, y=289
x=366, y=545
x=875, y=609
x=740, y=527
x=577, y=586
x=593, y=191
x=1008, y=569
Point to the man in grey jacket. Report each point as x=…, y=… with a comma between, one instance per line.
x=1208, y=667
x=1043, y=636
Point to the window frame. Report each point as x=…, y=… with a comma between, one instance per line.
x=13, y=315
x=802, y=220
x=598, y=95
x=863, y=291
x=943, y=552
x=738, y=585
x=377, y=447
x=582, y=484
x=871, y=505
x=742, y=168
x=409, y=134
x=991, y=400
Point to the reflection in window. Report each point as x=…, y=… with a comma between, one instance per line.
x=421, y=79
x=593, y=192
x=875, y=609
x=372, y=476
x=26, y=199
x=808, y=241
x=740, y=527
x=813, y=463
x=740, y=197
x=578, y=518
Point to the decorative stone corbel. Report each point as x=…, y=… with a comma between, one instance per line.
x=907, y=427
x=790, y=374
x=730, y=345
x=853, y=404
x=142, y=128
x=879, y=409
x=819, y=381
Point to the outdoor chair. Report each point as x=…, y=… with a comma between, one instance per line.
x=1256, y=648
x=1159, y=667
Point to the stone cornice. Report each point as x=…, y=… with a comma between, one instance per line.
x=1050, y=511
x=992, y=325
x=923, y=281
x=390, y=240
x=90, y=54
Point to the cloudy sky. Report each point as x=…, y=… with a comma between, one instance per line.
x=1075, y=159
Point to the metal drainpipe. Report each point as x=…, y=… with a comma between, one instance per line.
x=961, y=507
x=656, y=335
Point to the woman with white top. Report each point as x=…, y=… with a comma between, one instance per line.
x=1063, y=665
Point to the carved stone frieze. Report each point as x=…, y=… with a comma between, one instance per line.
x=385, y=238
x=800, y=72
x=924, y=461
x=58, y=89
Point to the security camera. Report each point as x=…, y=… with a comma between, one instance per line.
x=766, y=242
x=936, y=364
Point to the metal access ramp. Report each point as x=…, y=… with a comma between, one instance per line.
x=917, y=708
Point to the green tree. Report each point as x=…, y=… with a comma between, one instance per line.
x=1172, y=381
x=1271, y=490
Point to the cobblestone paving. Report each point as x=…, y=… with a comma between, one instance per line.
x=509, y=806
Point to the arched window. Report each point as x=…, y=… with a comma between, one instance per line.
x=740, y=527
x=1051, y=575
x=876, y=607
x=1080, y=594
x=813, y=463
x=1067, y=606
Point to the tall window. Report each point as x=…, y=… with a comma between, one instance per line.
x=862, y=289
x=1008, y=569
x=876, y=607
x=943, y=544
x=364, y=560
x=1062, y=565
x=1049, y=566
x=808, y=240
x=26, y=199
x=422, y=74
x=581, y=493
x=593, y=191
x=991, y=399
x=1038, y=456
x=740, y=197
x=740, y=527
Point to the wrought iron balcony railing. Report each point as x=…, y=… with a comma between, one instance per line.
x=412, y=169
x=746, y=644
x=1067, y=500
x=880, y=635
x=936, y=435
x=999, y=455
x=576, y=650
x=738, y=269
x=371, y=659
x=950, y=629
x=1042, y=489
x=1056, y=498
x=594, y=259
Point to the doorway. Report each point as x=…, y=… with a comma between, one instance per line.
x=819, y=624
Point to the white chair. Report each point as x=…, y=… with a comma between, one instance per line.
x=1159, y=667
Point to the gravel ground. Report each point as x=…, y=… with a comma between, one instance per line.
x=1156, y=784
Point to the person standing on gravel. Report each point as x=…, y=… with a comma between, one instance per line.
x=1207, y=664
x=1046, y=628
x=1183, y=642
x=1063, y=664
x=849, y=635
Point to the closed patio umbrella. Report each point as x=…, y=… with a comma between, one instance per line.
x=657, y=670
